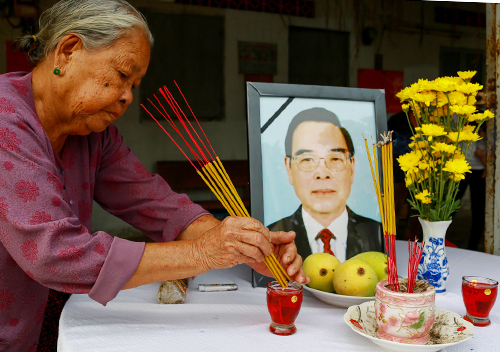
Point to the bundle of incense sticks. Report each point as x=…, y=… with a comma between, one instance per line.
x=210, y=167
x=414, y=255
x=385, y=200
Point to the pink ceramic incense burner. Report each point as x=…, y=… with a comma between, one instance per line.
x=404, y=317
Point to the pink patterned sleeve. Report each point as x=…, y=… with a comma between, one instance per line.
x=126, y=189
x=39, y=225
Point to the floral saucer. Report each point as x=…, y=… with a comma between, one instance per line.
x=449, y=329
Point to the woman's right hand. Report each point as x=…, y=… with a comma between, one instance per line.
x=235, y=240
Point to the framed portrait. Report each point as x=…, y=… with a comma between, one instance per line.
x=272, y=111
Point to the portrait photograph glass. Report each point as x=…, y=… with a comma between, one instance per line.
x=309, y=168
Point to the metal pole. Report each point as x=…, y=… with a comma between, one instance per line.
x=492, y=210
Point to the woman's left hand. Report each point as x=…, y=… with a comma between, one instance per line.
x=285, y=251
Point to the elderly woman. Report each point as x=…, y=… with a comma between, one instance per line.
x=59, y=152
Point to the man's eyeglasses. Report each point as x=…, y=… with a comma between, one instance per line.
x=309, y=162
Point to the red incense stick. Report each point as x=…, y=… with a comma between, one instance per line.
x=414, y=255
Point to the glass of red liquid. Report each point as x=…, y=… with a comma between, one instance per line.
x=479, y=295
x=283, y=304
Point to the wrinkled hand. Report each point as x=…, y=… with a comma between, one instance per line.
x=235, y=240
x=285, y=251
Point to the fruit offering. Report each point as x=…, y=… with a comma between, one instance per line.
x=378, y=261
x=357, y=276
x=320, y=268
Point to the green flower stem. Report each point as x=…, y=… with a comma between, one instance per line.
x=441, y=188
x=450, y=191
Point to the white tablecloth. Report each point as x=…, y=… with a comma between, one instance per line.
x=239, y=320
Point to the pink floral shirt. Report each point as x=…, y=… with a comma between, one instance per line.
x=46, y=211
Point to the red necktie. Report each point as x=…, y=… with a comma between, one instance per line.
x=326, y=235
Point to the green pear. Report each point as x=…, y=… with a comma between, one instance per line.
x=355, y=277
x=320, y=268
x=378, y=261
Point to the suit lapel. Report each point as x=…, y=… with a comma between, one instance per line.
x=301, y=240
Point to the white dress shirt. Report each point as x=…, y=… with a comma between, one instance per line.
x=338, y=227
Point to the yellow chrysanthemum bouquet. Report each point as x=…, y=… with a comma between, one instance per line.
x=447, y=127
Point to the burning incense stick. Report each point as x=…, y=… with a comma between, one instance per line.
x=210, y=167
x=386, y=202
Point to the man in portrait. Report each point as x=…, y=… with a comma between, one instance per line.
x=320, y=164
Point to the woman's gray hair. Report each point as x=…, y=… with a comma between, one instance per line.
x=98, y=23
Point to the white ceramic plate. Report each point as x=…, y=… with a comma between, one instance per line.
x=338, y=300
x=452, y=329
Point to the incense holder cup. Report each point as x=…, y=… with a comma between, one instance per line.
x=405, y=317
x=284, y=305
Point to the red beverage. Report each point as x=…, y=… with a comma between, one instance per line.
x=283, y=305
x=479, y=296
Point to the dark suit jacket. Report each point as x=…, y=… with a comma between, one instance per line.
x=363, y=234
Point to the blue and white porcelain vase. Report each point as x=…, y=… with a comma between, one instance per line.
x=433, y=266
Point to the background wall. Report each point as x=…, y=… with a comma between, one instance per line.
x=408, y=39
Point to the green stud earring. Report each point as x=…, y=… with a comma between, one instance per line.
x=57, y=71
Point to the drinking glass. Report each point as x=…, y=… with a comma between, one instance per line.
x=283, y=304
x=479, y=294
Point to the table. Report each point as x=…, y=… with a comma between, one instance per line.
x=239, y=320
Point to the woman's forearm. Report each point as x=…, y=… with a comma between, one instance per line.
x=198, y=228
x=173, y=260
x=166, y=261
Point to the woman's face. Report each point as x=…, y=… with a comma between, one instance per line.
x=99, y=84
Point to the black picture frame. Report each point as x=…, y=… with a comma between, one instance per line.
x=270, y=106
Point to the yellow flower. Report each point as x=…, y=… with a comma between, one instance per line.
x=457, y=166
x=424, y=84
x=458, y=155
x=480, y=116
x=424, y=197
x=457, y=177
x=433, y=130
x=463, y=109
x=469, y=88
x=423, y=165
x=468, y=128
x=442, y=99
x=466, y=135
x=409, y=161
x=466, y=74
x=437, y=154
x=444, y=148
x=457, y=98
x=408, y=180
x=489, y=114
x=470, y=137
x=407, y=92
x=476, y=117
x=457, y=80
x=405, y=107
x=418, y=144
x=471, y=100
x=444, y=84
x=424, y=175
x=454, y=137
x=426, y=98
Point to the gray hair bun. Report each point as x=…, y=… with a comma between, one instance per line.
x=98, y=23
